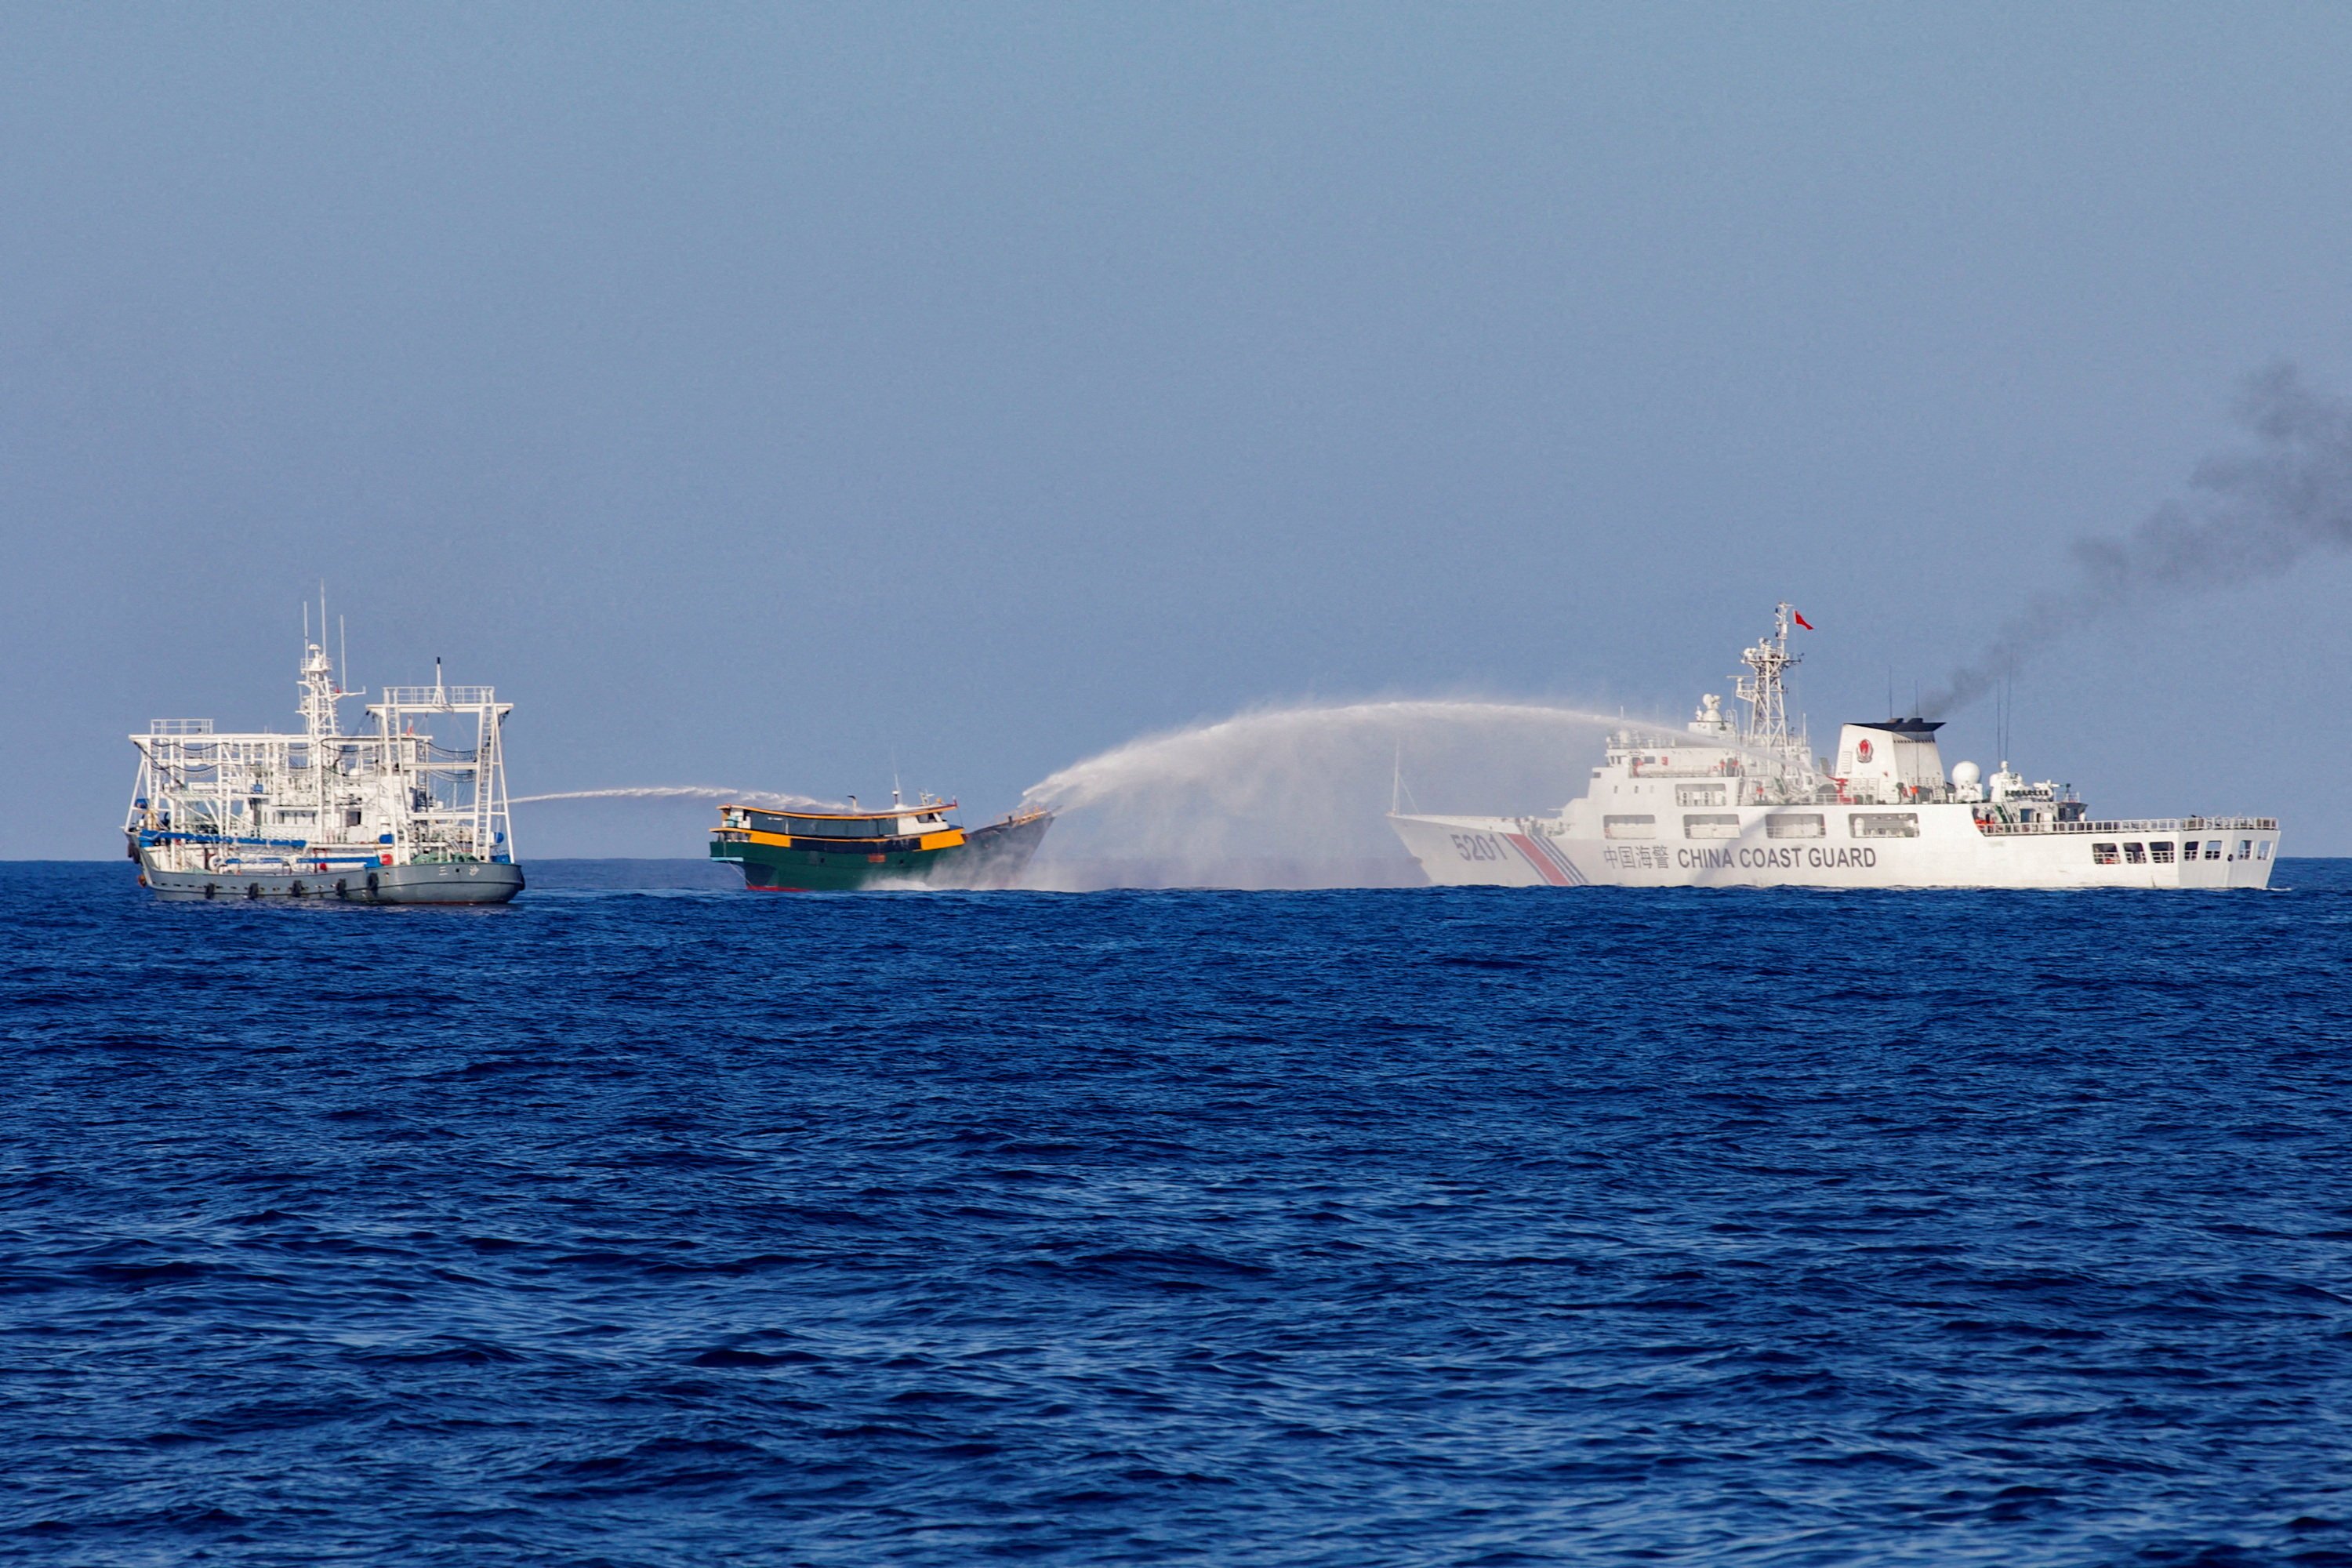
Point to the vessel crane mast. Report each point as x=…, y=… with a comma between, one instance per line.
x=1764, y=689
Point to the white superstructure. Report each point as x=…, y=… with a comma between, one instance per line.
x=411, y=810
x=1750, y=805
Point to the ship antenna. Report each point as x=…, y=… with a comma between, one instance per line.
x=343, y=653
x=1396, y=781
x=895, y=797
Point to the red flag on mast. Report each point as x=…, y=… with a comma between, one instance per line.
x=1802, y=621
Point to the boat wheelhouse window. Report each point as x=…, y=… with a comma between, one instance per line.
x=2263, y=850
x=2103, y=854
x=1699, y=794
x=1629, y=828
x=1884, y=824
x=834, y=827
x=2160, y=852
x=2189, y=850
x=1795, y=824
x=2213, y=849
x=2245, y=849
x=2134, y=853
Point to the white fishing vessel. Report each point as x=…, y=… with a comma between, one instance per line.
x=412, y=810
x=1751, y=805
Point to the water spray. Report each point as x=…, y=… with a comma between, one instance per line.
x=1299, y=796
x=1207, y=755
x=690, y=791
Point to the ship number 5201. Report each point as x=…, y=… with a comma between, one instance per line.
x=1477, y=846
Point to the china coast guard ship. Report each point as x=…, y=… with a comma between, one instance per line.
x=1750, y=805
x=390, y=815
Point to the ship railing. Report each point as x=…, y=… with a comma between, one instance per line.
x=2140, y=825
x=437, y=696
x=169, y=835
x=1652, y=771
x=179, y=727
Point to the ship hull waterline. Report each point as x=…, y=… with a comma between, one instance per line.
x=424, y=882
x=1950, y=852
x=989, y=857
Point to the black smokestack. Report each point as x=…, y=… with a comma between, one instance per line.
x=2251, y=513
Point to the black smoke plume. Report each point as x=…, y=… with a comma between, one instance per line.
x=2252, y=512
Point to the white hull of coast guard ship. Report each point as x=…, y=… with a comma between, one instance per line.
x=412, y=810
x=1720, y=805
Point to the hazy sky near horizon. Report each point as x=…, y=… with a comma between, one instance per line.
x=760, y=394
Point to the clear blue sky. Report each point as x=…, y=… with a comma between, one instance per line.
x=754, y=393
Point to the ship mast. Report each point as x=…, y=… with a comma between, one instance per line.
x=1764, y=690
x=320, y=722
x=319, y=693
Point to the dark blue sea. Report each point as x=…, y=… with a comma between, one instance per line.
x=638, y=1227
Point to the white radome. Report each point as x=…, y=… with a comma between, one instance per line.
x=1713, y=805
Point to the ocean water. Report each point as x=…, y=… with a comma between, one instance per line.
x=634, y=1227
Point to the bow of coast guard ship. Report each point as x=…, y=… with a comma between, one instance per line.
x=1748, y=804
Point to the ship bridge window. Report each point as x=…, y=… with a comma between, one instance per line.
x=2160, y=852
x=2103, y=854
x=1795, y=824
x=2134, y=853
x=1884, y=824
x=2245, y=849
x=2189, y=850
x=1629, y=828
x=2263, y=850
x=1699, y=794
x=2213, y=849
x=1711, y=824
